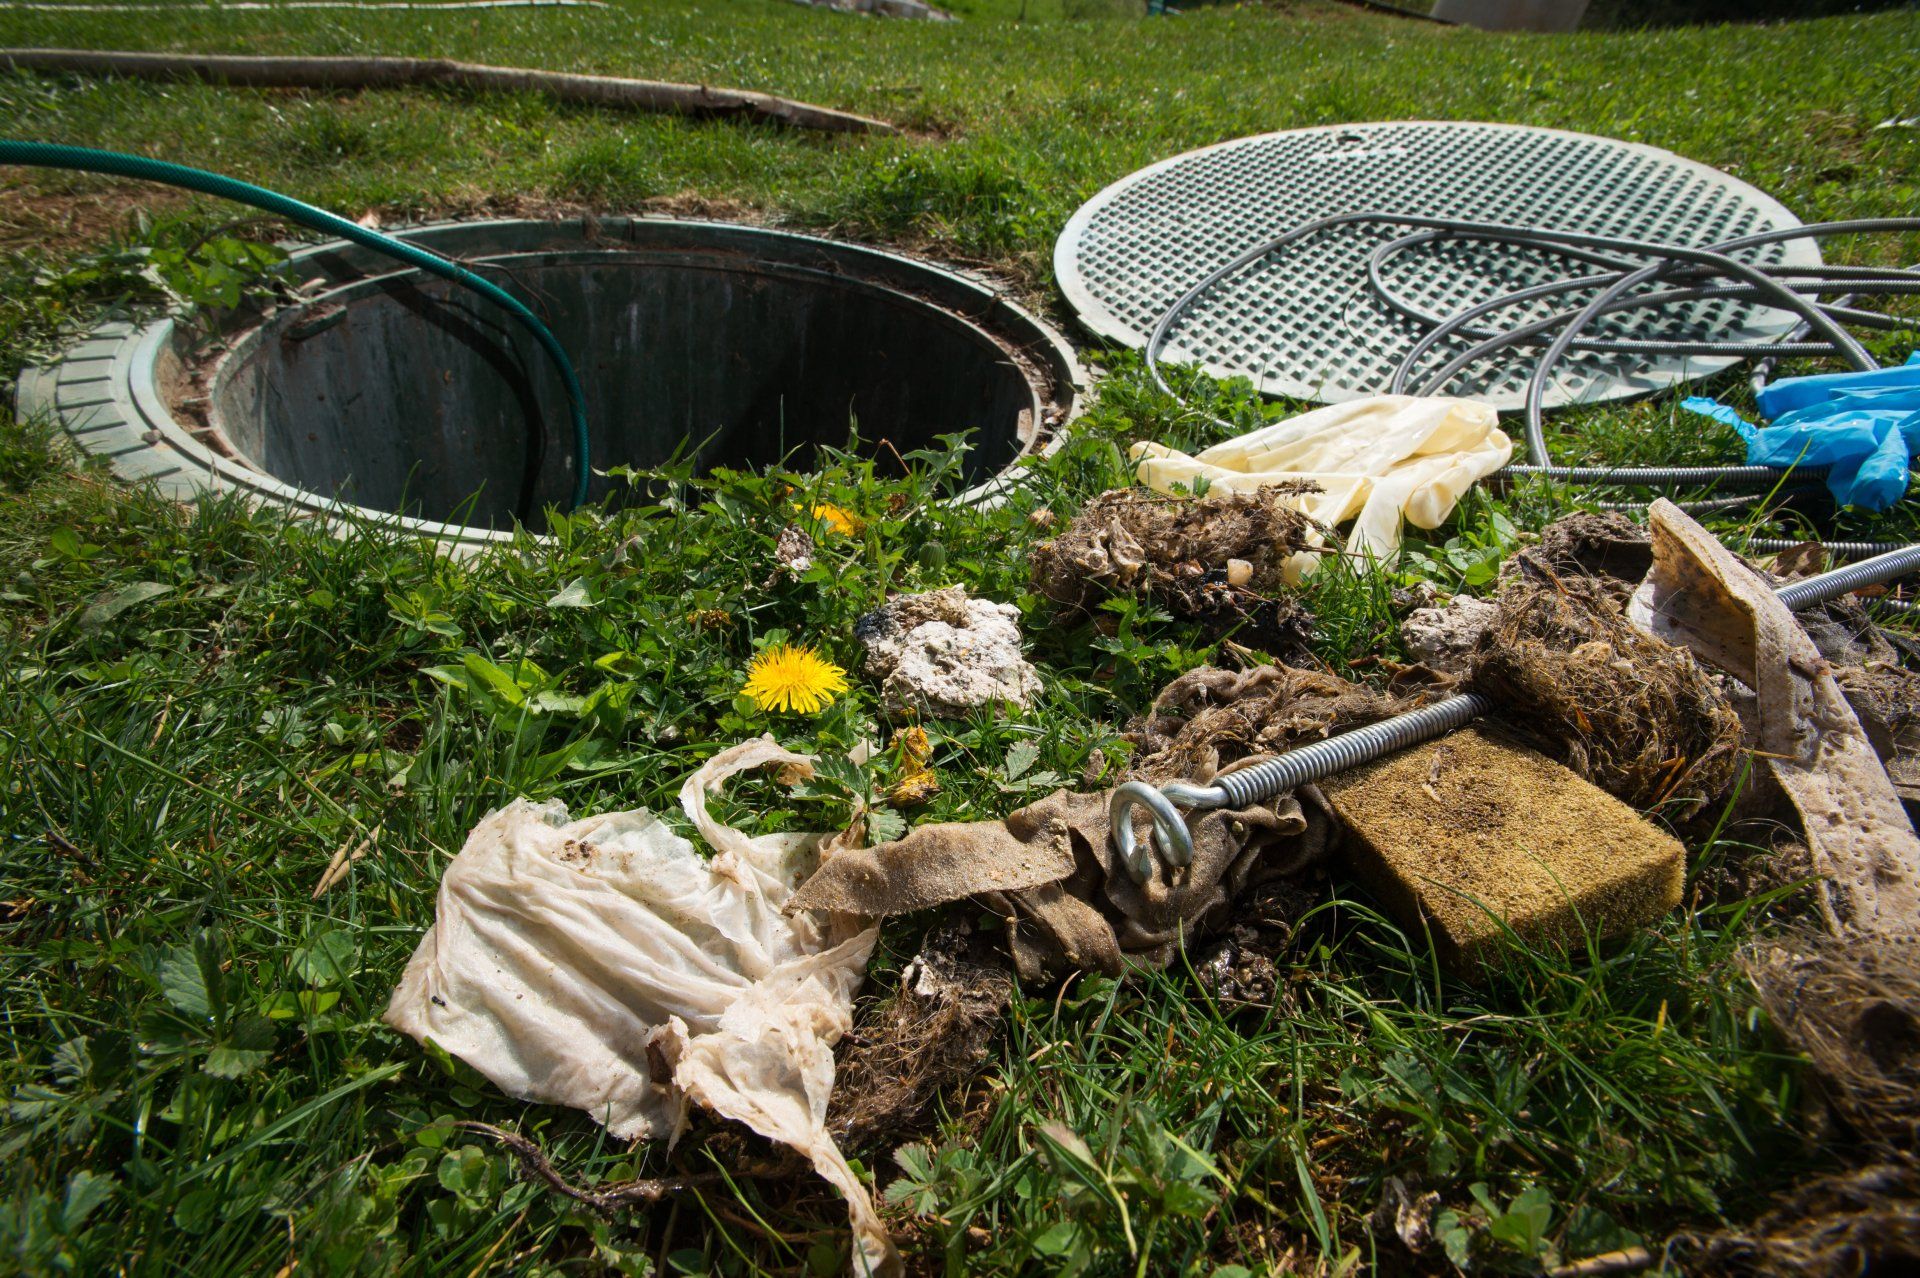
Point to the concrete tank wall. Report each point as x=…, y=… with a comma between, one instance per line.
x=406, y=394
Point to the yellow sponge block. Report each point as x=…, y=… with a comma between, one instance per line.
x=1467, y=832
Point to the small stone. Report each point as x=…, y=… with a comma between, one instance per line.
x=1239, y=572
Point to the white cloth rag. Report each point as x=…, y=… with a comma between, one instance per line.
x=606, y=965
x=1377, y=461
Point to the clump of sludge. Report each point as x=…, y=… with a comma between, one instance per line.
x=1208, y=718
x=928, y=1039
x=1217, y=560
x=1635, y=715
x=1853, y=1011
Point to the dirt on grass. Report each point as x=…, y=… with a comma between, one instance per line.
x=1215, y=560
x=477, y=202
x=1865, y=1220
x=928, y=1040
x=35, y=217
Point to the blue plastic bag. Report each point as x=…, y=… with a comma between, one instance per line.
x=1864, y=426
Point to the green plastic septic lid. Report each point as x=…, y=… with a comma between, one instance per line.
x=1305, y=323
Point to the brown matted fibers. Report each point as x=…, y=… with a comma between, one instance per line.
x=1469, y=835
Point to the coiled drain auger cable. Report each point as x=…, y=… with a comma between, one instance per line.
x=1683, y=274
x=116, y=164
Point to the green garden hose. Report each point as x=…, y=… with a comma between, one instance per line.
x=85, y=159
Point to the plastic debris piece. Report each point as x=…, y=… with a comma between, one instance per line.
x=1377, y=461
x=942, y=654
x=1790, y=394
x=604, y=964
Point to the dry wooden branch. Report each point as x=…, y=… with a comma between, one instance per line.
x=608, y=1197
x=391, y=73
x=251, y=6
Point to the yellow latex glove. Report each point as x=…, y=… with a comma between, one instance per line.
x=1378, y=461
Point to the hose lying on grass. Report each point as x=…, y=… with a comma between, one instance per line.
x=86, y=160
x=394, y=73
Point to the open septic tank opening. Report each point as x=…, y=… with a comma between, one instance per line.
x=398, y=393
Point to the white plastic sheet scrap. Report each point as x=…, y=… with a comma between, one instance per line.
x=1377, y=460
x=606, y=965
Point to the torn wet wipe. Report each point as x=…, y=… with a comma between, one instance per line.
x=606, y=965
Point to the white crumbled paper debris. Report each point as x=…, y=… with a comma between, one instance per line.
x=942, y=654
x=604, y=964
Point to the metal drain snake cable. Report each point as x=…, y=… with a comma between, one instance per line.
x=1324, y=758
x=87, y=160
x=1878, y=281
x=1566, y=243
x=1763, y=286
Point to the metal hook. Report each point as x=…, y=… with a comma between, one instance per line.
x=1170, y=833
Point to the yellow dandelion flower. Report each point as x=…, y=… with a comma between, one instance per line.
x=841, y=523
x=788, y=677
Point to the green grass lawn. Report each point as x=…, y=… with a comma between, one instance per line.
x=197, y=1077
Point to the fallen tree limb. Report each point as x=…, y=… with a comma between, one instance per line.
x=392, y=73
x=268, y=6
x=1398, y=11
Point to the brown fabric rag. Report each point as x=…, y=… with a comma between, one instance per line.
x=1051, y=872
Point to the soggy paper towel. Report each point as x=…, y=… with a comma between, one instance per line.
x=1377, y=461
x=1698, y=595
x=606, y=965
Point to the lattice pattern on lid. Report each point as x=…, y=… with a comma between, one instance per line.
x=1305, y=323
